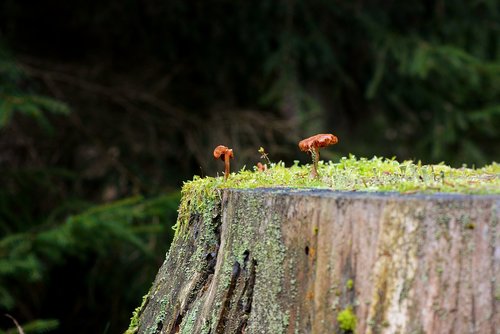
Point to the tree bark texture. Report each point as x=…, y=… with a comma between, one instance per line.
x=285, y=261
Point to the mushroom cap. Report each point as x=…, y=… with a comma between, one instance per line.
x=319, y=140
x=221, y=150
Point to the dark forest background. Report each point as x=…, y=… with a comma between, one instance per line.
x=107, y=106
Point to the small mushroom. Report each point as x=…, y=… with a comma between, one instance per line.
x=224, y=153
x=313, y=144
x=261, y=167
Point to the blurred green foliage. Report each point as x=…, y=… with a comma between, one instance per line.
x=15, y=95
x=450, y=95
x=44, y=233
x=105, y=107
x=116, y=245
x=99, y=231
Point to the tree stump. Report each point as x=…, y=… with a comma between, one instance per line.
x=299, y=261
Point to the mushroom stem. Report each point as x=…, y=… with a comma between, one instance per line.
x=315, y=157
x=226, y=163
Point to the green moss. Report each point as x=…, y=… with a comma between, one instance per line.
x=349, y=285
x=349, y=174
x=134, y=321
x=347, y=320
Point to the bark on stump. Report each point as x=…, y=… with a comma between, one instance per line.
x=284, y=261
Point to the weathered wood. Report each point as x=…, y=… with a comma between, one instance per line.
x=282, y=261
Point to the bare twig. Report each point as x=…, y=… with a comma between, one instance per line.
x=19, y=328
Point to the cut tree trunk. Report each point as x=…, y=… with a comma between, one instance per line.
x=288, y=261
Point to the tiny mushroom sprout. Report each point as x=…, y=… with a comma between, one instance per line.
x=224, y=153
x=313, y=144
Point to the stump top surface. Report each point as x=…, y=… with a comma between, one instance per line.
x=323, y=192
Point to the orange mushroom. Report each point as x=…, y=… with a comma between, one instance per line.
x=224, y=153
x=313, y=144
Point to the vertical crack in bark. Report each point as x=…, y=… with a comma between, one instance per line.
x=176, y=326
x=473, y=314
x=221, y=325
x=159, y=327
x=246, y=256
x=247, y=298
x=237, y=301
